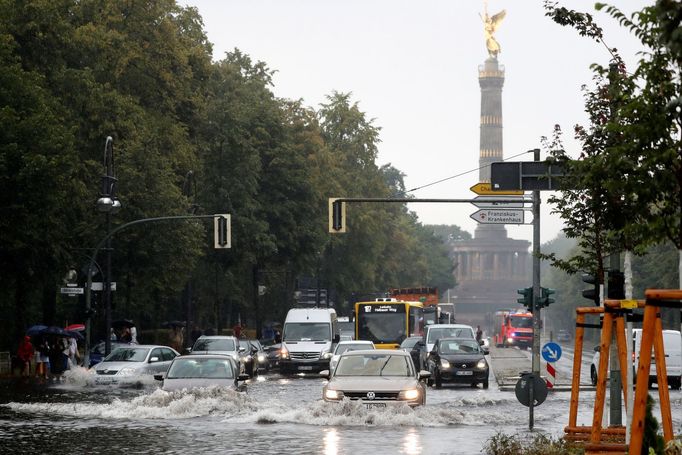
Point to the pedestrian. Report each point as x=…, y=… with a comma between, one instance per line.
x=58, y=360
x=237, y=330
x=479, y=333
x=133, y=335
x=41, y=357
x=25, y=354
x=74, y=356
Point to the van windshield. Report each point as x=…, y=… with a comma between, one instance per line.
x=307, y=331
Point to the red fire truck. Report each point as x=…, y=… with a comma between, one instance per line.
x=513, y=328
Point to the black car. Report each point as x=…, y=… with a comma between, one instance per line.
x=458, y=361
x=415, y=346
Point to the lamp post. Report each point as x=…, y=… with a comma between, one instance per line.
x=109, y=204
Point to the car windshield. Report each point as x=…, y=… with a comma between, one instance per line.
x=127, y=355
x=307, y=331
x=445, y=332
x=341, y=348
x=459, y=347
x=409, y=342
x=200, y=368
x=245, y=344
x=373, y=365
x=214, y=344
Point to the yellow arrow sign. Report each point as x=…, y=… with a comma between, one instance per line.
x=483, y=188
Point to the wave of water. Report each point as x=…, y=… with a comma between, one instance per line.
x=241, y=407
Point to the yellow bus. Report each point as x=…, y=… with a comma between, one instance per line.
x=387, y=322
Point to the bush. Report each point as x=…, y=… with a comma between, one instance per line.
x=518, y=444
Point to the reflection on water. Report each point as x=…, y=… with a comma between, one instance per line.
x=412, y=442
x=331, y=441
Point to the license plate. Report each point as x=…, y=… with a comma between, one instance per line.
x=464, y=373
x=375, y=405
x=305, y=368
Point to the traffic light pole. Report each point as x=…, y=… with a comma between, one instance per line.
x=536, y=294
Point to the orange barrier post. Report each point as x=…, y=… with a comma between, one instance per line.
x=652, y=337
x=602, y=373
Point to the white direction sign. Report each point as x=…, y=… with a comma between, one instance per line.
x=485, y=202
x=499, y=216
x=71, y=290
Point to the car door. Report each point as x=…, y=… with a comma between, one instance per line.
x=157, y=365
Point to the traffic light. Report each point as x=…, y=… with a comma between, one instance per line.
x=545, y=300
x=591, y=294
x=527, y=299
x=616, y=289
x=337, y=216
x=222, y=232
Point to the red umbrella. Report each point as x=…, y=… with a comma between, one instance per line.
x=75, y=327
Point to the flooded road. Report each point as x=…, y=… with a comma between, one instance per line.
x=275, y=415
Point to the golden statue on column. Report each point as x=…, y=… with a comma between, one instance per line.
x=490, y=25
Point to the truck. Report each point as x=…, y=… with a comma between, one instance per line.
x=426, y=295
x=513, y=328
x=308, y=339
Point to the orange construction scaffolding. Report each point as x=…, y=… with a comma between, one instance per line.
x=612, y=440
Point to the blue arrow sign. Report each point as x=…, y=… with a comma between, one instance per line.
x=551, y=352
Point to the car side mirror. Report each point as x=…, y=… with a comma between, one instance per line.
x=324, y=374
x=242, y=349
x=337, y=338
x=423, y=374
x=242, y=377
x=481, y=342
x=153, y=359
x=158, y=377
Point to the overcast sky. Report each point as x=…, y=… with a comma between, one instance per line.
x=413, y=67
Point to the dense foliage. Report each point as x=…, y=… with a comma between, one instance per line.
x=190, y=136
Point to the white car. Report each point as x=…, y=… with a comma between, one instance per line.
x=376, y=378
x=351, y=345
x=131, y=363
x=672, y=345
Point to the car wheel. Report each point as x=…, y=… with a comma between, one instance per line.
x=485, y=384
x=437, y=379
x=593, y=375
x=675, y=383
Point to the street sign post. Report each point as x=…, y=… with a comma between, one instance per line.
x=484, y=188
x=499, y=216
x=492, y=202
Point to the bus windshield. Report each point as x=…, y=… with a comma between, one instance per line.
x=382, y=327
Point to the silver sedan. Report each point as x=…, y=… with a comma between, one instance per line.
x=131, y=363
x=195, y=371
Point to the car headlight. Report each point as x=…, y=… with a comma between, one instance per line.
x=444, y=363
x=481, y=364
x=261, y=358
x=411, y=394
x=326, y=355
x=331, y=394
x=284, y=352
x=510, y=339
x=126, y=371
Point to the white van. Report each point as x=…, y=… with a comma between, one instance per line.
x=308, y=339
x=672, y=345
x=434, y=332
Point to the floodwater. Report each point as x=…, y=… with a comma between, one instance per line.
x=275, y=415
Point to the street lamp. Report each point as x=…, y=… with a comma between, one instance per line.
x=108, y=204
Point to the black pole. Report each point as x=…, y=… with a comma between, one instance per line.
x=107, y=292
